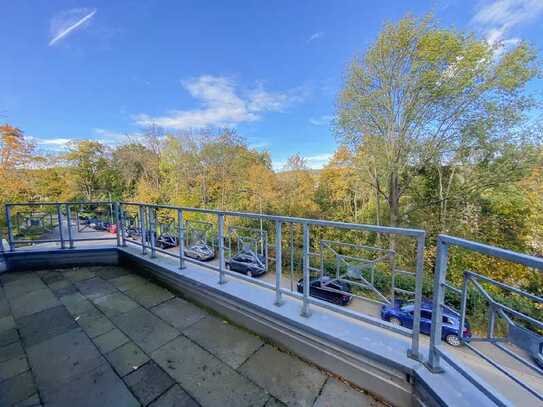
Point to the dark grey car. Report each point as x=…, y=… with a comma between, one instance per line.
x=253, y=265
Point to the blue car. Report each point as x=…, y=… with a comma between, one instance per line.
x=402, y=314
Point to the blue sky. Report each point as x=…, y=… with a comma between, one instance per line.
x=272, y=69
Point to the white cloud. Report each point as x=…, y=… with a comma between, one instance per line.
x=53, y=141
x=316, y=36
x=322, y=120
x=497, y=18
x=314, y=162
x=68, y=21
x=223, y=104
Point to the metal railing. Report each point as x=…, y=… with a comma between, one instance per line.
x=496, y=308
x=64, y=228
x=147, y=213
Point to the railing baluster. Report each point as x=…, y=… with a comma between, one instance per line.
x=414, y=352
x=305, y=305
x=463, y=303
x=61, y=234
x=181, y=238
x=121, y=224
x=220, y=228
x=117, y=223
x=437, y=311
x=69, y=226
x=278, y=263
x=151, y=216
x=143, y=231
x=10, y=228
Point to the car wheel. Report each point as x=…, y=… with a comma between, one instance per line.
x=249, y=273
x=453, y=340
x=395, y=321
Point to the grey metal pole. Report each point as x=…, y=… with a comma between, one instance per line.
x=491, y=321
x=305, y=305
x=61, y=234
x=143, y=232
x=121, y=222
x=392, y=260
x=439, y=298
x=220, y=227
x=278, y=263
x=291, y=257
x=10, y=228
x=69, y=224
x=414, y=352
x=181, y=238
x=463, y=304
x=152, y=230
x=118, y=223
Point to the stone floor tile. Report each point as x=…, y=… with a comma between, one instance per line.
x=210, y=381
x=94, y=288
x=148, y=382
x=129, y=281
x=77, y=304
x=338, y=394
x=32, y=302
x=126, y=358
x=52, y=277
x=179, y=313
x=63, y=287
x=7, y=323
x=149, y=295
x=98, y=387
x=110, y=272
x=23, y=286
x=8, y=337
x=16, y=389
x=94, y=323
x=79, y=274
x=110, y=340
x=13, y=367
x=6, y=278
x=115, y=304
x=4, y=308
x=174, y=397
x=229, y=343
x=286, y=377
x=32, y=401
x=60, y=359
x=273, y=402
x=145, y=329
x=45, y=324
x=11, y=351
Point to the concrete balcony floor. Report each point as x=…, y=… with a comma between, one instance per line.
x=103, y=336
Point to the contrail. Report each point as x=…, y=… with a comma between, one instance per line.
x=72, y=27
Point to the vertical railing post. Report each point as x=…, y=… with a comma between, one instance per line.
x=10, y=228
x=291, y=257
x=181, y=238
x=143, y=231
x=121, y=225
x=152, y=229
x=60, y=232
x=69, y=226
x=305, y=305
x=491, y=321
x=463, y=304
x=117, y=223
x=437, y=309
x=414, y=352
x=220, y=228
x=278, y=263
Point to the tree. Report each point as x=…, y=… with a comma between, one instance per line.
x=426, y=96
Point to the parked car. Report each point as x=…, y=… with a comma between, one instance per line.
x=132, y=233
x=249, y=263
x=200, y=251
x=166, y=241
x=402, y=314
x=328, y=289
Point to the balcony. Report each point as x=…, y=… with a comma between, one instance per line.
x=138, y=307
